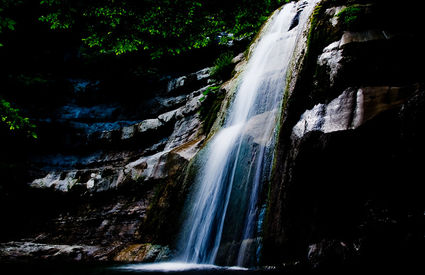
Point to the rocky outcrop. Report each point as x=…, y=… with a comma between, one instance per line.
x=350, y=110
x=332, y=56
x=29, y=251
x=189, y=82
x=183, y=125
x=344, y=193
x=25, y=251
x=111, y=187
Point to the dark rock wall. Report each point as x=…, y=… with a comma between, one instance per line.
x=346, y=189
x=105, y=179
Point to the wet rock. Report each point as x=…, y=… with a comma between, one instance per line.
x=142, y=253
x=91, y=180
x=331, y=57
x=341, y=148
x=238, y=58
x=193, y=104
x=147, y=168
x=189, y=150
x=350, y=110
x=24, y=251
x=56, y=181
x=365, y=36
x=116, y=184
x=185, y=129
x=255, y=127
x=301, y=5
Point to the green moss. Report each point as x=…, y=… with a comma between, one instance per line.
x=223, y=66
x=211, y=103
x=350, y=15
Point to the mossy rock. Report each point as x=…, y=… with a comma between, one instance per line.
x=211, y=104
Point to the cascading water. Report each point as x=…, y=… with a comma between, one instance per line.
x=223, y=218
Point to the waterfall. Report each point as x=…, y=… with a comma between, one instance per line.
x=223, y=216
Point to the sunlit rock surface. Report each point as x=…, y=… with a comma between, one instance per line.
x=331, y=57
x=333, y=54
x=350, y=110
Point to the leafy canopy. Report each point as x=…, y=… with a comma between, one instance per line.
x=159, y=27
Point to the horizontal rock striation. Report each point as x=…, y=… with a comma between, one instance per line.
x=110, y=186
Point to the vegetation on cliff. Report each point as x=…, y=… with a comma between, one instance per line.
x=54, y=39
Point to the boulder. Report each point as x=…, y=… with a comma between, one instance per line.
x=167, y=117
x=149, y=125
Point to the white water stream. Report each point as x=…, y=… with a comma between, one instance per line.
x=236, y=162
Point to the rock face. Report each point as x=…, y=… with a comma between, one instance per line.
x=24, y=251
x=350, y=110
x=111, y=186
x=108, y=181
x=345, y=187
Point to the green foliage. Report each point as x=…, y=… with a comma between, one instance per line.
x=350, y=15
x=223, y=66
x=7, y=23
x=11, y=119
x=156, y=27
x=60, y=14
x=160, y=27
x=212, y=89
